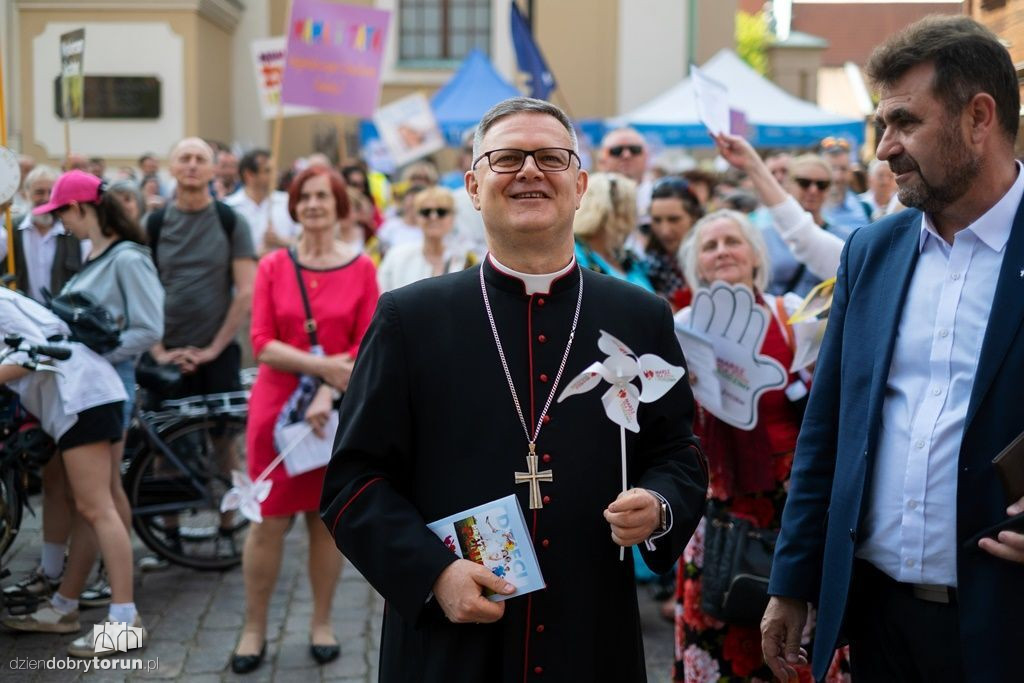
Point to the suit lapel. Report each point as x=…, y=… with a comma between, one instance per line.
x=890, y=297
x=1005, y=317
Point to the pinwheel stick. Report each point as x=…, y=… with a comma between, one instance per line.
x=622, y=444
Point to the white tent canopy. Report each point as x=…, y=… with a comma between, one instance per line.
x=774, y=117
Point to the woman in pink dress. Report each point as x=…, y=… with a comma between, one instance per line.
x=342, y=289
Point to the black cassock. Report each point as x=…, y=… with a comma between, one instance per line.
x=428, y=428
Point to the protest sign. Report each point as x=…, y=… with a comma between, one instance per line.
x=726, y=318
x=712, y=102
x=409, y=128
x=72, y=75
x=268, y=61
x=333, y=56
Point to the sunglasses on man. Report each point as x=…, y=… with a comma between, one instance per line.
x=834, y=144
x=619, y=150
x=805, y=183
x=439, y=212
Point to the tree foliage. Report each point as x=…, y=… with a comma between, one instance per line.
x=751, y=39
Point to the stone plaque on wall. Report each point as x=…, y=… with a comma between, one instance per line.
x=116, y=97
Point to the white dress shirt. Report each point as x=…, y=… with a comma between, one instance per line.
x=273, y=210
x=910, y=523
x=40, y=250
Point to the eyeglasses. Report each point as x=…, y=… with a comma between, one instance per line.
x=550, y=159
x=805, y=183
x=619, y=150
x=835, y=144
x=439, y=212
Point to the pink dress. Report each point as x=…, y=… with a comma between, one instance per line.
x=343, y=300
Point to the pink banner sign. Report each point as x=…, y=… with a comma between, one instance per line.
x=334, y=56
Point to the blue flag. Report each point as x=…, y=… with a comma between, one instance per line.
x=528, y=55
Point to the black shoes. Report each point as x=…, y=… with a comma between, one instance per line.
x=325, y=653
x=243, y=664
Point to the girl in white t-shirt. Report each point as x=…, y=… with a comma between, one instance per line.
x=81, y=408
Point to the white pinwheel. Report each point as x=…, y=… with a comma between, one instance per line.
x=619, y=369
x=622, y=399
x=246, y=496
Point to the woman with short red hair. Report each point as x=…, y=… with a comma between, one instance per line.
x=338, y=287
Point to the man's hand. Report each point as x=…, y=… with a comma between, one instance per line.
x=459, y=592
x=737, y=151
x=336, y=370
x=781, y=629
x=180, y=357
x=633, y=516
x=1008, y=545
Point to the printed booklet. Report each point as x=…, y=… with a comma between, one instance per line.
x=494, y=534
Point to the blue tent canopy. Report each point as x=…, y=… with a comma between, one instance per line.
x=462, y=101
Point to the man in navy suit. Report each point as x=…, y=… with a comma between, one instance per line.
x=918, y=386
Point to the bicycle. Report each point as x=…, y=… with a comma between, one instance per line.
x=24, y=446
x=178, y=458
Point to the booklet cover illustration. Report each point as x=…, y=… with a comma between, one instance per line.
x=494, y=534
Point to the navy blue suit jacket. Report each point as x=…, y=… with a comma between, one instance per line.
x=833, y=464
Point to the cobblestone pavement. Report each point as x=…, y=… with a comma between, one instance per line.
x=194, y=618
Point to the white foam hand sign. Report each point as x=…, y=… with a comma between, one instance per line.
x=622, y=399
x=728, y=317
x=245, y=496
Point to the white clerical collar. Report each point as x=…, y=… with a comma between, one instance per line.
x=533, y=283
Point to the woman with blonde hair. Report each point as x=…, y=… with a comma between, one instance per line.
x=434, y=209
x=606, y=217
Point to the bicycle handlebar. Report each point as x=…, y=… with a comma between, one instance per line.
x=54, y=352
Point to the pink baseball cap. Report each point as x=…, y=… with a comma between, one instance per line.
x=73, y=186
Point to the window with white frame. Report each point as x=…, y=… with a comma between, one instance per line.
x=442, y=30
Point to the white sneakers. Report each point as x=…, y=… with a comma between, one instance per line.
x=111, y=639
x=44, y=620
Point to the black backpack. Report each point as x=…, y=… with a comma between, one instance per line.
x=89, y=322
x=155, y=223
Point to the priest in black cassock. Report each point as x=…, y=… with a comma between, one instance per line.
x=453, y=390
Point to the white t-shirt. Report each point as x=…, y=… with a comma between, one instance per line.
x=85, y=380
x=273, y=210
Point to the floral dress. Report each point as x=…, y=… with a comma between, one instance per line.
x=708, y=650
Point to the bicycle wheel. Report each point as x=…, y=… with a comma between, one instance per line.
x=10, y=509
x=176, y=501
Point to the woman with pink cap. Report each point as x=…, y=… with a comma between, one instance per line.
x=120, y=276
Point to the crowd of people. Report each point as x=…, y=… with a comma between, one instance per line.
x=225, y=262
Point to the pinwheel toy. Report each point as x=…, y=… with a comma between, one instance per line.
x=623, y=398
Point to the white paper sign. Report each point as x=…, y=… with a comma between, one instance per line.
x=712, y=101
x=408, y=128
x=702, y=364
x=311, y=451
x=727, y=317
x=268, y=61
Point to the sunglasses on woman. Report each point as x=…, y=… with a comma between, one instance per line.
x=439, y=212
x=805, y=183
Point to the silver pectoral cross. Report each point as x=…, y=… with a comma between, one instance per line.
x=533, y=478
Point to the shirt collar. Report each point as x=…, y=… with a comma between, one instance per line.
x=992, y=227
x=533, y=283
x=26, y=223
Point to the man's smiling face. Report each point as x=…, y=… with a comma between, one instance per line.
x=529, y=201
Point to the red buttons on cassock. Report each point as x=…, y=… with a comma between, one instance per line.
x=545, y=543
x=538, y=670
x=542, y=339
x=543, y=378
x=546, y=457
x=547, y=499
x=547, y=418
x=540, y=302
x=540, y=628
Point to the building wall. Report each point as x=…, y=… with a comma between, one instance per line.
x=1006, y=21
x=715, y=28
x=853, y=29
x=213, y=82
x=652, y=49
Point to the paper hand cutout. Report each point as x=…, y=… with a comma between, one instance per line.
x=245, y=496
x=728, y=316
x=622, y=366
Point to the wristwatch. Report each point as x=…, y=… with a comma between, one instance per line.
x=663, y=517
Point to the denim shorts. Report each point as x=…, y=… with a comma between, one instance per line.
x=126, y=371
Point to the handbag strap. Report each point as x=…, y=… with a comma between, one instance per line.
x=310, y=323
